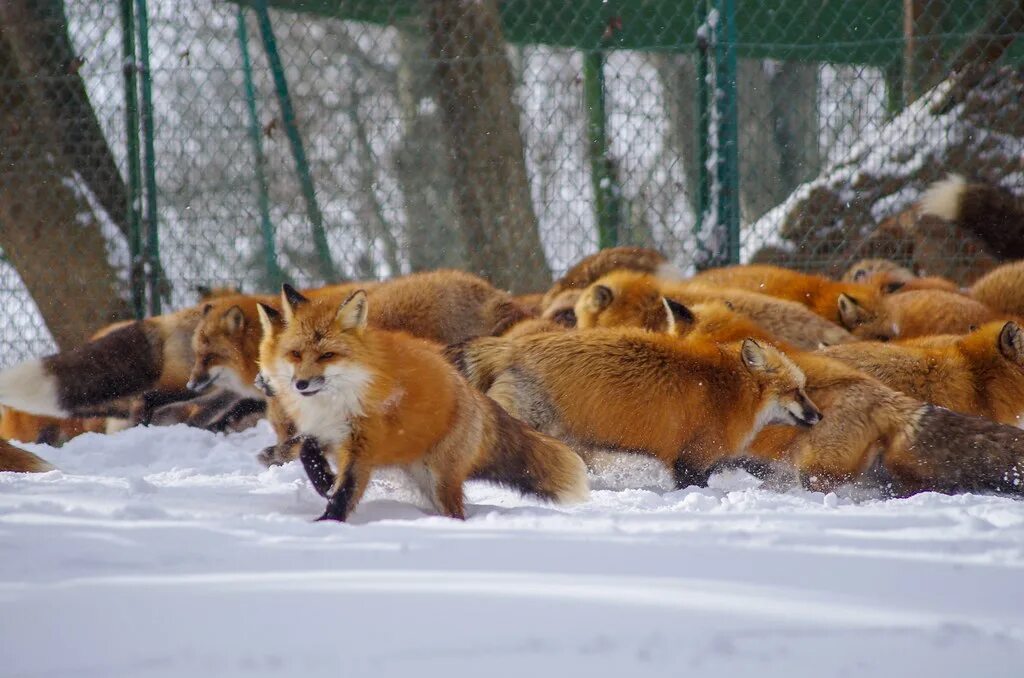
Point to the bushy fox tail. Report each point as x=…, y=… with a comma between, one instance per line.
x=952, y=452
x=529, y=461
x=481, y=360
x=21, y=461
x=992, y=213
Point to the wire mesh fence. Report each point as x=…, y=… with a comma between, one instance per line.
x=151, y=147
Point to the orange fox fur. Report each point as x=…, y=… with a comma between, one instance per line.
x=368, y=398
x=818, y=293
x=1002, y=289
x=626, y=298
x=913, y=314
x=689, y=404
x=982, y=373
x=17, y=460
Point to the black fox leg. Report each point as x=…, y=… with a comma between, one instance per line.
x=686, y=475
x=317, y=468
x=344, y=498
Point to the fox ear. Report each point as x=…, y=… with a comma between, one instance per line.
x=1011, y=343
x=851, y=313
x=600, y=297
x=233, y=320
x=290, y=300
x=753, y=356
x=352, y=314
x=860, y=275
x=270, y=319
x=206, y=309
x=678, y=316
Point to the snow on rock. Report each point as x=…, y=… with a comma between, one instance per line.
x=832, y=219
x=171, y=552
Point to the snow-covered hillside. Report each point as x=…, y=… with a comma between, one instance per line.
x=170, y=552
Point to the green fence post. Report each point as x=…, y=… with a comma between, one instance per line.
x=153, y=272
x=136, y=265
x=703, y=256
x=728, y=130
x=327, y=269
x=274, y=274
x=607, y=192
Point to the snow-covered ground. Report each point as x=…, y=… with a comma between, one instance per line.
x=171, y=552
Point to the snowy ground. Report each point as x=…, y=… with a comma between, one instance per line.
x=170, y=552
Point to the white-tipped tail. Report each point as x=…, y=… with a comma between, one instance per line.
x=579, y=490
x=29, y=387
x=942, y=199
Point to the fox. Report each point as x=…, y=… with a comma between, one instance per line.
x=865, y=422
x=94, y=379
x=442, y=306
x=981, y=374
x=364, y=398
x=1002, y=288
x=690, y=405
x=913, y=314
x=818, y=293
x=34, y=428
x=16, y=460
x=626, y=298
x=993, y=213
x=888, y=283
x=862, y=270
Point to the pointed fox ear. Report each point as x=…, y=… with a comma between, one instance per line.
x=679, y=316
x=1011, y=343
x=851, y=313
x=291, y=300
x=753, y=356
x=270, y=319
x=860, y=275
x=233, y=320
x=206, y=309
x=352, y=314
x=599, y=297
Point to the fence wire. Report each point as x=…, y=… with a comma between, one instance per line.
x=319, y=140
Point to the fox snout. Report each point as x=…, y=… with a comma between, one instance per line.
x=308, y=386
x=804, y=413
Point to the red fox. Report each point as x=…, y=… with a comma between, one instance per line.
x=865, y=422
x=17, y=460
x=1002, y=288
x=128, y=360
x=913, y=314
x=818, y=293
x=982, y=373
x=366, y=398
x=866, y=268
x=34, y=428
x=689, y=404
x=992, y=213
x=626, y=298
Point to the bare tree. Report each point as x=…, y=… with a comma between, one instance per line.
x=485, y=149
x=58, y=181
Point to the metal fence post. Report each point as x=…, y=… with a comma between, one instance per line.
x=152, y=257
x=131, y=108
x=703, y=256
x=728, y=130
x=607, y=192
x=327, y=269
x=274, y=274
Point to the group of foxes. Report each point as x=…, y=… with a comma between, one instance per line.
x=882, y=376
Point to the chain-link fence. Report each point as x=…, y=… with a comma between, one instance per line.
x=150, y=147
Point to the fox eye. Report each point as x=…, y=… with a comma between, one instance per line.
x=295, y=354
x=325, y=356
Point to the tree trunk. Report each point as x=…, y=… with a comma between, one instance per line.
x=485, y=149
x=51, y=211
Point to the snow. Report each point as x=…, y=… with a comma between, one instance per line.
x=171, y=552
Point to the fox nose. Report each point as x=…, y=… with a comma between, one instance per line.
x=302, y=384
x=308, y=386
x=812, y=417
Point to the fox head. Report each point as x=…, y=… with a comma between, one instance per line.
x=782, y=386
x=560, y=309
x=630, y=299
x=315, y=347
x=222, y=344
x=865, y=269
x=866, y=321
